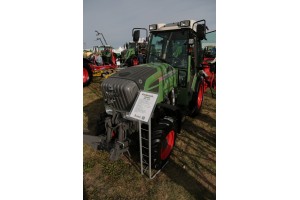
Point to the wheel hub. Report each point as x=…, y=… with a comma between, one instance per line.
x=200, y=96
x=167, y=145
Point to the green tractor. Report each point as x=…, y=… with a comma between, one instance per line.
x=172, y=71
x=136, y=51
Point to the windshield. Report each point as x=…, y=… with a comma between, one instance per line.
x=169, y=47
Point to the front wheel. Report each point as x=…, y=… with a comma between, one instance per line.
x=163, y=141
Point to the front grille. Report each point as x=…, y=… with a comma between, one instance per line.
x=120, y=93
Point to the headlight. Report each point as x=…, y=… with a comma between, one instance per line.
x=185, y=23
x=152, y=27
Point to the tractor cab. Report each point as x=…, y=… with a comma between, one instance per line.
x=106, y=53
x=179, y=45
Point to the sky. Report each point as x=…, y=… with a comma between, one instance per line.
x=116, y=19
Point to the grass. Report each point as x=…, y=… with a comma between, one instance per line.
x=190, y=174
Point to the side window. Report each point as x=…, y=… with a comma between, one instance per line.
x=156, y=48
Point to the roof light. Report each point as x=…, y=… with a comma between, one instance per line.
x=185, y=23
x=152, y=27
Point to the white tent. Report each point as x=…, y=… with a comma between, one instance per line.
x=119, y=50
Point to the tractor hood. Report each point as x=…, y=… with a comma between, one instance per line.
x=146, y=75
x=138, y=74
x=122, y=88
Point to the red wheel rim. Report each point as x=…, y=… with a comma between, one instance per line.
x=200, y=96
x=135, y=61
x=85, y=75
x=167, y=145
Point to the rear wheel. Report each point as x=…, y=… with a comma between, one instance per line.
x=163, y=141
x=197, y=101
x=87, y=75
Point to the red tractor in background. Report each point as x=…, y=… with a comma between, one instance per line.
x=209, y=68
x=91, y=66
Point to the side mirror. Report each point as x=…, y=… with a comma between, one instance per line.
x=136, y=35
x=201, y=31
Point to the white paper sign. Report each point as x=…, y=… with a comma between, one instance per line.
x=143, y=106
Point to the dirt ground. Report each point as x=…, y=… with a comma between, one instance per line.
x=190, y=173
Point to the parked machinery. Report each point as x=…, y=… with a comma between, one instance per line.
x=173, y=70
x=136, y=51
x=209, y=67
x=91, y=65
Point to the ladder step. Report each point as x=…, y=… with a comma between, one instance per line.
x=145, y=139
x=145, y=147
x=144, y=129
